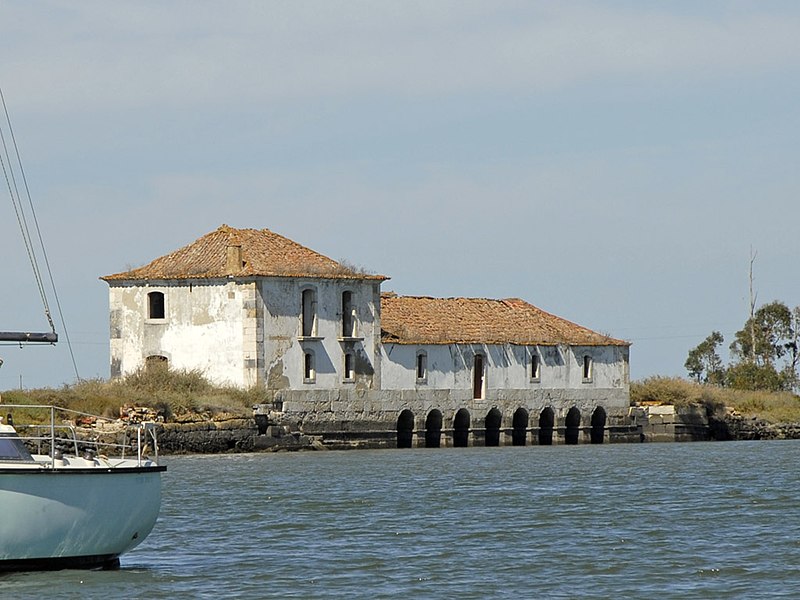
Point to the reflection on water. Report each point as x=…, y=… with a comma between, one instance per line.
x=673, y=520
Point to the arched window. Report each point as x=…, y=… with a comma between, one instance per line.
x=308, y=314
x=155, y=305
x=348, y=315
x=155, y=362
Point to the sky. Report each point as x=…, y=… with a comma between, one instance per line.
x=615, y=163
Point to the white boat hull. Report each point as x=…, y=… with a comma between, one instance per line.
x=75, y=517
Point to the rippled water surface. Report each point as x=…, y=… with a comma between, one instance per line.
x=703, y=520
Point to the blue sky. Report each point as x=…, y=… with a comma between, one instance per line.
x=610, y=162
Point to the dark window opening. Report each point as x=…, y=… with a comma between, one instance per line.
x=519, y=434
x=155, y=305
x=309, y=313
x=534, y=366
x=422, y=366
x=308, y=367
x=348, y=366
x=348, y=315
x=405, y=429
x=433, y=429
x=587, y=367
x=477, y=377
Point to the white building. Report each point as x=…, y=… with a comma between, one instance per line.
x=250, y=307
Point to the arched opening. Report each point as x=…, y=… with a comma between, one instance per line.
x=492, y=427
x=433, y=429
x=547, y=421
x=598, y=425
x=461, y=429
x=156, y=363
x=519, y=434
x=573, y=424
x=308, y=313
x=405, y=429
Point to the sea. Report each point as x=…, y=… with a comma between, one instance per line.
x=693, y=520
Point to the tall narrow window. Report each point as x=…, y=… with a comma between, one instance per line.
x=587, y=368
x=348, y=366
x=348, y=315
x=308, y=315
x=422, y=367
x=309, y=374
x=155, y=305
x=477, y=377
x=534, y=366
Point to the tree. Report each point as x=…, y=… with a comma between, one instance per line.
x=704, y=364
x=767, y=336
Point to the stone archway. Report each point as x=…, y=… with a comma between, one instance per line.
x=405, y=429
x=461, y=425
x=519, y=435
x=573, y=426
x=598, y=425
x=433, y=429
x=547, y=422
x=492, y=424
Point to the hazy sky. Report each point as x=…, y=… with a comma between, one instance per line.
x=610, y=162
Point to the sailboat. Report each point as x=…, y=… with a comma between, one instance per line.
x=71, y=496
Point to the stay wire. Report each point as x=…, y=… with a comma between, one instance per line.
x=29, y=242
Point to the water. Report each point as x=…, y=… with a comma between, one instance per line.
x=702, y=520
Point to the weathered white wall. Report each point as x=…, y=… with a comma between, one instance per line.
x=203, y=328
x=506, y=367
x=284, y=345
x=247, y=332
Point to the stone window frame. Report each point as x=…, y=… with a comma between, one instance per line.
x=151, y=305
x=348, y=306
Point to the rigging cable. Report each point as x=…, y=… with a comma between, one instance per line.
x=26, y=235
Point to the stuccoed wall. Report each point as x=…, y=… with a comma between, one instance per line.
x=207, y=325
x=506, y=367
x=284, y=346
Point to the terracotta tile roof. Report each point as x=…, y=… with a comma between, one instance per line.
x=424, y=320
x=263, y=253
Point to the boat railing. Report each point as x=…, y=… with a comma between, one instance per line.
x=58, y=429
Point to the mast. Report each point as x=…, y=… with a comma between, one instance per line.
x=50, y=337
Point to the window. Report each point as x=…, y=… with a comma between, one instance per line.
x=535, y=365
x=422, y=367
x=156, y=363
x=309, y=374
x=348, y=367
x=587, y=368
x=155, y=305
x=348, y=315
x=477, y=377
x=308, y=314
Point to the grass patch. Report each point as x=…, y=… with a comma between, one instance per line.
x=774, y=407
x=173, y=393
